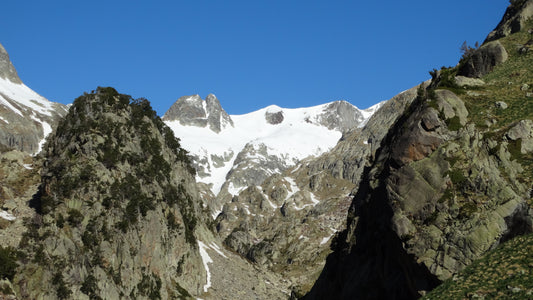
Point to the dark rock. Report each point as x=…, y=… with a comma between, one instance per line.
x=483, y=60
x=513, y=20
x=274, y=117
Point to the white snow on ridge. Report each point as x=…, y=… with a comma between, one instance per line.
x=367, y=113
x=24, y=96
x=296, y=138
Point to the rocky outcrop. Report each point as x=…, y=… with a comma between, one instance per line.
x=439, y=194
x=514, y=19
x=118, y=209
x=483, y=60
x=341, y=115
x=7, y=70
x=193, y=111
x=217, y=118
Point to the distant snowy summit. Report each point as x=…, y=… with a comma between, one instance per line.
x=26, y=118
x=232, y=152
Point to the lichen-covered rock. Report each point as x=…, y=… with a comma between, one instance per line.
x=439, y=194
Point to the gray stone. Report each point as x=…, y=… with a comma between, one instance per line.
x=463, y=81
x=274, y=117
x=483, y=60
x=501, y=105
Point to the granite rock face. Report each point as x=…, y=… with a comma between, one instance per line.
x=439, y=192
x=193, y=111
x=483, y=60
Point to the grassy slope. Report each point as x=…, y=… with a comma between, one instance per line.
x=504, y=273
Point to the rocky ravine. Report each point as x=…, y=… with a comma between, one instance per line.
x=286, y=224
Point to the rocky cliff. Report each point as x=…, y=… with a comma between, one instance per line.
x=450, y=181
x=26, y=118
x=287, y=222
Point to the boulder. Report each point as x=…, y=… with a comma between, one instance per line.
x=483, y=60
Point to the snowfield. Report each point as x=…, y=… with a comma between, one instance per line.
x=298, y=136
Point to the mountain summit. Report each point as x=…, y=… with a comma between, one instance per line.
x=26, y=118
x=193, y=111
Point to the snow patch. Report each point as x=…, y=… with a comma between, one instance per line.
x=28, y=166
x=206, y=260
x=7, y=216
x=23, y=95
x=217, y=249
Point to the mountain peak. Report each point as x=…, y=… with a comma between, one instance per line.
x=7, y=70
x=193, y=111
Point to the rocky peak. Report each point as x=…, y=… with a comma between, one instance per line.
x=514, y=19
x=342, y=116
x=217, y=118
x=133, y=230
x=193, y=111
x=26, y=118
x=7, y=70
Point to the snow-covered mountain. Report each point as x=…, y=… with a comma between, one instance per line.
x=26, y=118
x=232, y=152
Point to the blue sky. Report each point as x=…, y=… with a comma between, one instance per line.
x=250, y=54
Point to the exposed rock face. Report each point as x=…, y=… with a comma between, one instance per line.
x=217, y=118
x=274, y=117
x=7, y=70
x=439, y=194
x=19, y=180
x=286, y=221
x=133, y=230
x=513, y=20
x=342, y=116
x=482, y=60
x=193, y=111
x=26, y=118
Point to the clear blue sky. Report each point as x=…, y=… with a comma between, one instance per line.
x=249, y=53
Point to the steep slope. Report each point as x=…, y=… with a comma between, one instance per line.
x=503, y=273
x=287, y=222
x=451, y=180
x=118, y=215
x=231, y=153
x=118, y=210
x=26, y=118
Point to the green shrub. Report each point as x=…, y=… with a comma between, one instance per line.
x=454, y=123
x=89, y=287
x=75, y=217
x=8, y=262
